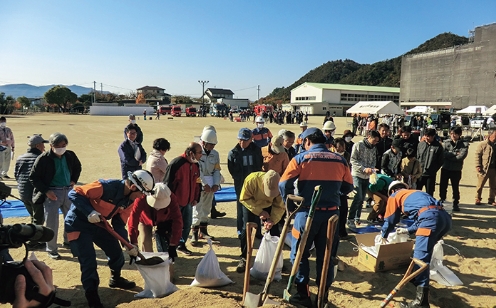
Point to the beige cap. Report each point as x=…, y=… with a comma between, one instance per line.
x=161, y=198
x=276, y=145
x=271, y=184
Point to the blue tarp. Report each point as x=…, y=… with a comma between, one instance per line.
x=15, y=208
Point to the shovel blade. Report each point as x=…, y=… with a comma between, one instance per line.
x=251, y=300
x=269, y=301
x=286, y=295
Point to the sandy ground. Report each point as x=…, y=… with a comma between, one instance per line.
x=95, y=140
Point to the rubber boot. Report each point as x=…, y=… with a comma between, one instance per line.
x=194, y=237
x=302, y=297
x=421, y=300
x=93, y=299
x=216, y=214
x=116, y=281
x=204, y=232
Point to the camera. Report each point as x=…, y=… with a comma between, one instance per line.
x=15, y=236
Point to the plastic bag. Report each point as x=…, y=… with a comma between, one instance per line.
x=157, y=277
x=263, y=260
x=208, y=273
x=438, y=271
x=373, y=178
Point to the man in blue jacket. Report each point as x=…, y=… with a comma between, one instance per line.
x=131, y=153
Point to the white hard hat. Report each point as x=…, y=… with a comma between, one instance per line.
x=259, y=119
x=397, y=185
x=209, y=136
x=143, y=179
x=161, y=197
x=209, y=127
x=329, y=125
x=282, y=132
x=303, y=124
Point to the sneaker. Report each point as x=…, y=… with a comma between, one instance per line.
x=185, y=251
x=351, y=223
x=6, y=176
x=216, y=214
x=357, y=222
x=301, y=300
x=241, y=267
x=456, y=208
x=477, y=201
x=491, y=202
x=121, y=283
x=54, y=255
x=67, y=245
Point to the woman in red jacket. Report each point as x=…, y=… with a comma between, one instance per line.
x=160, y=209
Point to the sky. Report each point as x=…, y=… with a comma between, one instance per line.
x=238, y=45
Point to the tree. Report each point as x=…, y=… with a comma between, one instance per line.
x=6, y=103
x=24, y=101
x=140, y=99
x=61, y=96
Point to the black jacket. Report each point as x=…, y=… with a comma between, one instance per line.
x=383, y=145
x=43, y=172
x=23, y=166
x=430, y=157
x=243, y=162
x=454, y=154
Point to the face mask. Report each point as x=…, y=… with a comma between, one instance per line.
x=332, y=132
x=3, y=124
x=348, y=139
x=341, y=153
x=59, y=151
x=133, y=121
x=260, y=125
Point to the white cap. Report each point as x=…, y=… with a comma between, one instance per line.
x=161, y=197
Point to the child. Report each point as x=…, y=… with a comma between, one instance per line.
x=410, y=169
x=391, y=160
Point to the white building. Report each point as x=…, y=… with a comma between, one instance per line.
x=318, y=98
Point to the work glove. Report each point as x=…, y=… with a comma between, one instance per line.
x=94, y=217
x=172, y=250
x=401, y=231
x=133, y=252
x=384, y=241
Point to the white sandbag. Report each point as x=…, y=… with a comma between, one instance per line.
x=438, y=271
x=208, y=272
x=289, y=239
x=263, y=260
x=157, y=277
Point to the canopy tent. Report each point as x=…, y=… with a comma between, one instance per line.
x=386, y=107
x=472, y=110
x=420, y=109
x=490, y=111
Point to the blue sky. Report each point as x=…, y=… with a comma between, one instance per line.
x=233, y=44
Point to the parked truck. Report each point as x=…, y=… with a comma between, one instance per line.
x=163, y=110
x=191, y=112
x=176, y=111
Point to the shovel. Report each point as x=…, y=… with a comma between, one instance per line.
x=406, y=278
x=143, y=261
x=250, y=238
x=255, y=300
x=303, y=241
x=331, y=230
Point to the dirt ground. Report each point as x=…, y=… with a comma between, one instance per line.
x=95, y=140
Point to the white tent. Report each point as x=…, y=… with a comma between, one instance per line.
x=490, y=111
x=419, y=109
x=387, y=107
x=472, y=110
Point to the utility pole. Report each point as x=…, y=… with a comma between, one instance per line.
x=101, y=88
x=203, y=82
x=258, y=94
x=94, y=91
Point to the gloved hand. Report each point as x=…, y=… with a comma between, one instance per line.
x=94, y=217
x=384, y=241
x=133, y=252
x=172, y=250
x=401, y=231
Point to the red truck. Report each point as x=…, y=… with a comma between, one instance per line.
x=259, y=109
x=191, y=112
x=164, y=110
x=176, y=111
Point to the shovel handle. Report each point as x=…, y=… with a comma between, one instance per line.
x=331, y=231
x=250, y=238
x=105, y=225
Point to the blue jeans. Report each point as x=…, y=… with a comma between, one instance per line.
x=317, y=235
x=187, y=213
x=361, y=186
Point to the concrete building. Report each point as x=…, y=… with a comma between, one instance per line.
x=455, y=77
x=318, y=98
x=212, y=94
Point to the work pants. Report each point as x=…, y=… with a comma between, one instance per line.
x=318, y=235
x=361, y=186
x=82, y=248
x=52, y=214
x=433, y=225
x=186, y=212
x=481, y=181
x=5, y=158
x=343, y=212
x=454, y=177
x=378, y=209
x=203, y=208
x=239, y=209
x=146, y=234
x=250, y=217
x=36, y=211
x=429, y=181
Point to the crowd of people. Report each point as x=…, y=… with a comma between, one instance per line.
x=168, y=201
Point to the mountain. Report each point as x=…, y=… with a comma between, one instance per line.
x=385, y=73
x=31, y=91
